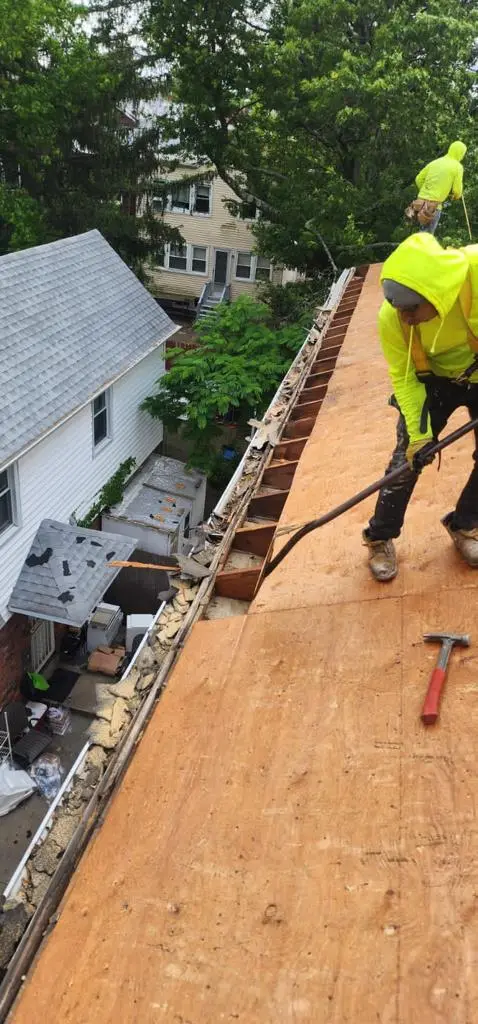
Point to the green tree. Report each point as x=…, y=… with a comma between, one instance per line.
x=236, y=368
x=69, y=158
x=323, y=111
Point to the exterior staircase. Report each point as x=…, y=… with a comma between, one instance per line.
x=211, y=297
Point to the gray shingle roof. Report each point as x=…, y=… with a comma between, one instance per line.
x=67, y=571
x=73, y=317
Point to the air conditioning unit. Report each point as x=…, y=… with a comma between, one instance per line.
x=103, y=626
x=136, y=627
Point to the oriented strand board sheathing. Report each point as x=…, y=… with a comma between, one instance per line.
x=289, y=844
x=349, y=447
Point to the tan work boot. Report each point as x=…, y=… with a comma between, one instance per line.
x=382, y=559
x=466, y=541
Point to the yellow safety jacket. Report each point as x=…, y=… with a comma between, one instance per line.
x=445, y=346
x=443, y=176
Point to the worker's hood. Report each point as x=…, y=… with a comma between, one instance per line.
x=420, y=263
x=457, y=150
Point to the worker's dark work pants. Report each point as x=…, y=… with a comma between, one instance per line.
x=443, y=397
x=431, y=228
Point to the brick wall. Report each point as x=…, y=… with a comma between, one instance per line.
x=14, y=656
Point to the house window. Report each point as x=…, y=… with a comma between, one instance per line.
x=248, y=211
x=263, y=269
x=252, y=268
x=6, y=500
x=202, y=199
x=187, y=198
x=199, y=259
x=178, y=257
x=180, y=198
x=244, y=266
x=101, y=426
x=190, y=259
x=187, y=526
x=158, y=204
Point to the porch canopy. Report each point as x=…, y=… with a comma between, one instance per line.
x=67, y=571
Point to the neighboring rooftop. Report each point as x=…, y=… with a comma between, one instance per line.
x=67, y=572
x=73, y=318
x=159, y=495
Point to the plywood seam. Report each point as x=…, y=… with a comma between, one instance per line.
x=401, y=851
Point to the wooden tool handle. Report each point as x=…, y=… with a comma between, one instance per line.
x=143, y=565
x=432, y=699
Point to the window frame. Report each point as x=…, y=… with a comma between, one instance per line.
x=188, y=269
x=254, y=260
x=194, y=188
x=186, y=208
x=99, y=445
x=242, y=277
x=256, y=268
x=248, y=220
x=205, y=248
x=190, y=209
x=11, y=489
x=175, y=256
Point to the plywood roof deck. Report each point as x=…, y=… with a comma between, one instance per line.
x=289, y=844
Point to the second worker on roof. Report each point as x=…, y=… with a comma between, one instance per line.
x=436, y=182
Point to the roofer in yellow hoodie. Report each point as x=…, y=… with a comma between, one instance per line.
x=428, y=327
x=438, y=180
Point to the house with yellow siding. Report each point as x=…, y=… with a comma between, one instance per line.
x=216, y=259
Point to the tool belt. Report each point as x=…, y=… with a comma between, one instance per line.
x=422, y=210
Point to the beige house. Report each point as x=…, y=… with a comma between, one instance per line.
x=217, y=258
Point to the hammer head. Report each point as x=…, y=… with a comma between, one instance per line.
x=450, y=638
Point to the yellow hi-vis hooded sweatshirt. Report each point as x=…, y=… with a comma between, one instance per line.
x=439, y=275
x=442, y=176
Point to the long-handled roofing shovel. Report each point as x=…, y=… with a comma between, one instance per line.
x=306, y=528
x=467, y=218
x=188, y=566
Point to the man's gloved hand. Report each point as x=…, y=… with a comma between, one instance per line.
x=418, y=454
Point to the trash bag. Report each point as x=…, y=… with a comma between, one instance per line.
x=46, y=772
x=15, y=786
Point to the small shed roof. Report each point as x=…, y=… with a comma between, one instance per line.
x=160, y=495
x=67, y=572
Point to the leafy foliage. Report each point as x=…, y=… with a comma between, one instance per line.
x=324, y=112
x=111, y=493
x=236, y=368
x=68, y=159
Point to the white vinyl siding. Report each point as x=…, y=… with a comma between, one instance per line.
x=63, y=474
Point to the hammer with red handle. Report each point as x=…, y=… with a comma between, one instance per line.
x=435, y=686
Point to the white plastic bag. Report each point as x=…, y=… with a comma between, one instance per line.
x=15, y=786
